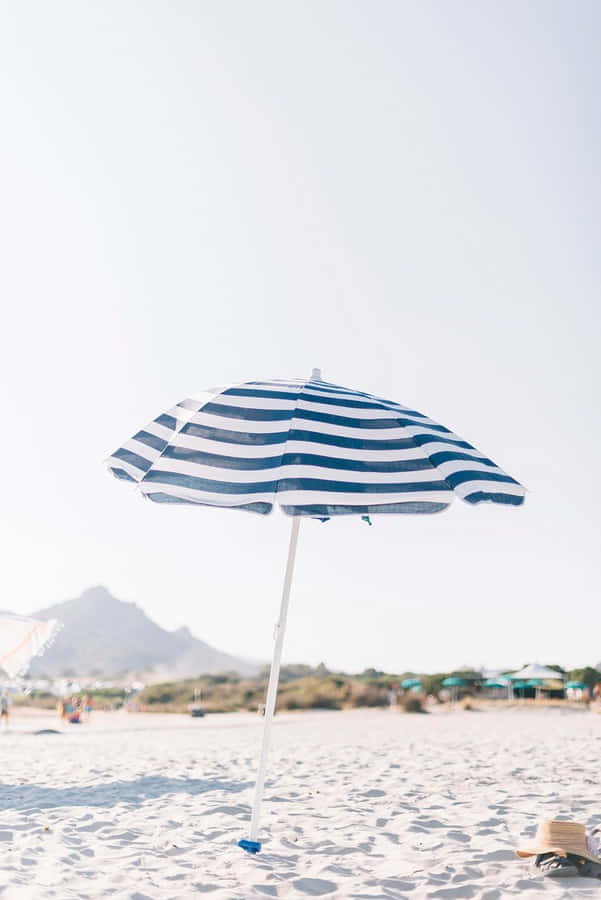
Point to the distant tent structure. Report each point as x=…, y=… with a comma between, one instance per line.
x=21, y=639
x=535, y=672
x=553, y=684
x=412, y=684
x=537, y=678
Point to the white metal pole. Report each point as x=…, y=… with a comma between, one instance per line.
x=253, y=845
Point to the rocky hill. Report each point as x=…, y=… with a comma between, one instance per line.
x=102, y=635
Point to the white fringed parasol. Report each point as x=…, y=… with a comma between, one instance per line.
x=21, y=639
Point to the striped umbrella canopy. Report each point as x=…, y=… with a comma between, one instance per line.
x=315, y=449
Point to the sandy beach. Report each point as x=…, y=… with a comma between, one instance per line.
x=364, y=804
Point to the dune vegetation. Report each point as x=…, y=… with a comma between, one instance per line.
x=301, y=687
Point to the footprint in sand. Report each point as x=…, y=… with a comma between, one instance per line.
x=459, y=836
x=396, y=884
x=458, y=893
x=315, y=887
x=497, y=856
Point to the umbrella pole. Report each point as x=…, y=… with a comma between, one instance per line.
x=253, y=845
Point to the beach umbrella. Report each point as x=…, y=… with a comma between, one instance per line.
x=575, y=689
x=21, y=639
x=455, y=683
x=500, y=681
x=409, y=683
x=315, y=449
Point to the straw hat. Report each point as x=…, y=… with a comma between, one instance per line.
x=560, y=838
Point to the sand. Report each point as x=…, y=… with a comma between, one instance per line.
x=361, y=804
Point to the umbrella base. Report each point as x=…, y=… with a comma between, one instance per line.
x=250, y=846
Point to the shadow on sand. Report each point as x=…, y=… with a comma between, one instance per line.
x=134, y=793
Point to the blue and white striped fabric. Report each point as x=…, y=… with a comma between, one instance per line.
x=315, y=448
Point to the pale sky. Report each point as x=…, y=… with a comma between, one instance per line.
x=405, y=194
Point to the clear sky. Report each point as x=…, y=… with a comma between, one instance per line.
x=405, y=194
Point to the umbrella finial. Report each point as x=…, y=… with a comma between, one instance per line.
x=316, y=375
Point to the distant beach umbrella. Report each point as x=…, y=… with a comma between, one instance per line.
x=496, y=683
x=409, y=683
x=317, y=450
x=455, y=683
x=21, y=639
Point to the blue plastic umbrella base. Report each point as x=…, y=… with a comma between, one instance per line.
x=250, y=846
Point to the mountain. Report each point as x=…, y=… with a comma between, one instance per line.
x=102, y=635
